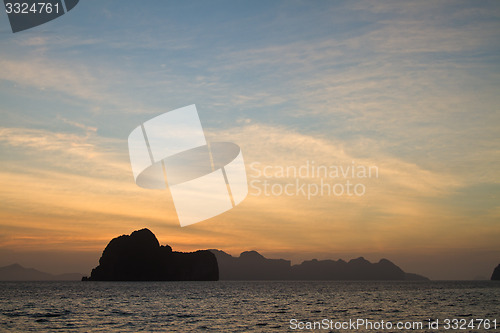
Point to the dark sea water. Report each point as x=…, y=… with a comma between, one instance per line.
x=226, y=306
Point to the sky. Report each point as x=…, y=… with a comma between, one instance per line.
x=409, y=88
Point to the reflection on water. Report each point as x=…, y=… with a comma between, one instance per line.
x=235, y=306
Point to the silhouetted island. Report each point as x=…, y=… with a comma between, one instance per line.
x=496, y=274
x=251, y=265
x=139, y=257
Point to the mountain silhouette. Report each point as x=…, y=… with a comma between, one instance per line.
x=139, y=257
x=253, y=266
x=16, y=272
x=496, y=273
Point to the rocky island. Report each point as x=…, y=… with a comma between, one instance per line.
x=496, y=274
x=139, y=257
x=251, y=265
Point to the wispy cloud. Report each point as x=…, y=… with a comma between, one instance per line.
x=46, y=141
x=285, y=147
x=408, y=87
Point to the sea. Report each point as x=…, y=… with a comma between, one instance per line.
x=250, y=306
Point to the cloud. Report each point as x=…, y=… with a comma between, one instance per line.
x=43, y=140
x=410, y=88
x=99, y=89
x=47, y=75
x=417, y=87
x=85, y=154
x=68, y=182
x=410, y=185
x=290, y=146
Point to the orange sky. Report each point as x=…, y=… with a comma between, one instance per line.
x=410, y=90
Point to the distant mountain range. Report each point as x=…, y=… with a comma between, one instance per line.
x=251, y=265
x=17, y=272
x=140, y=257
